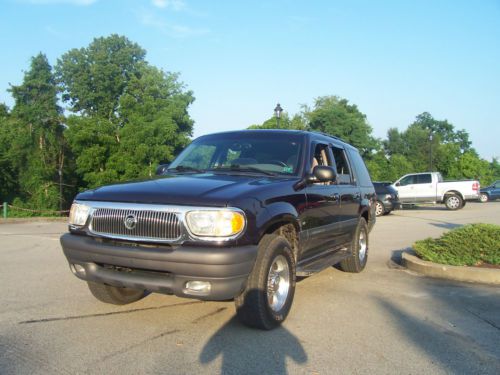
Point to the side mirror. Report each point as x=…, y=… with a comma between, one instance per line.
x=161, y=169
x=324, y=173
x=397, y=184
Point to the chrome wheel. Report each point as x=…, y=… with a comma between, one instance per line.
x=453, y=202
x=278, y=283
x=483, y=198
x=362, y=246
x=379, y=209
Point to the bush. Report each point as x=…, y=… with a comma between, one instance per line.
x=470, y=245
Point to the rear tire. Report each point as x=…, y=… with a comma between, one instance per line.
x=359, y=248
x=114, y=295
x=483, y=198
x=268, y=295
x=453, y=202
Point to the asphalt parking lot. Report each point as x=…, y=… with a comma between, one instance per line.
x=385, y=320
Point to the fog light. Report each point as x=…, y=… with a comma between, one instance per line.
x=197, y=287
x=77, y=269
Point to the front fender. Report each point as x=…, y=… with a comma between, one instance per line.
x=277, y=213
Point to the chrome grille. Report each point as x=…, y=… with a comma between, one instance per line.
x=149, y=225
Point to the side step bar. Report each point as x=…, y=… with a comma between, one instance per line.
x=321, y=261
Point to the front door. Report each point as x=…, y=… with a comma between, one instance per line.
x=406, y=188
x=321, y=216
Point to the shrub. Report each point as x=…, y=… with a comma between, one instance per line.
x=470, y=245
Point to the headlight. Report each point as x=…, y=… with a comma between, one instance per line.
x=219, y=223
x=78, y=214
x=388, y=197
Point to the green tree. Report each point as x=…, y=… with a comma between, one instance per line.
x=37, y=148
x=94, y=78
x=335, y=116
x=471, y=166
x=8, y=175
x=296, y=122
x=129, y=115
x=156, y=126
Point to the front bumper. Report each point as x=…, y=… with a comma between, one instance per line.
x=163, y=269
x=391, y=204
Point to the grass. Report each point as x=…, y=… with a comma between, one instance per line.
x=470, y=245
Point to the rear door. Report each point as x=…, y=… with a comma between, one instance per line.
x=425, y=190
x=350, y=195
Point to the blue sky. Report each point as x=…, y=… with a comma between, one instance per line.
x=394, y=59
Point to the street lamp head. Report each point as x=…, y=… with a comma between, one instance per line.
x=278, y=110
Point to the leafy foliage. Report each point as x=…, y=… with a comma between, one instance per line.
x=35, y=134
x=335, y=116
x=469, y=245
x=93, y=79
x=297, y=122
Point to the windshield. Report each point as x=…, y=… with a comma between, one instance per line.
x=272, y=153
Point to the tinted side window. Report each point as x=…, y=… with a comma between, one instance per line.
x=424, y=179
x=321, y=156
x=342, y=165
x=360, y=170
x=408, y=180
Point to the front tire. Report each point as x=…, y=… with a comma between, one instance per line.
x=268, y=295
x=453, y=202
x=379, y=209
x=359, y=249
x=483, y=198
x=114, y=295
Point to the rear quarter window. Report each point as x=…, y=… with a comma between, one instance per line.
x=359, y=169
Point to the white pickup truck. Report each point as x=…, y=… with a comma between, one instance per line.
x=429, y=187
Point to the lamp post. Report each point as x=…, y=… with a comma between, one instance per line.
x=60, y=191
x=277, y=114
x=430, y=153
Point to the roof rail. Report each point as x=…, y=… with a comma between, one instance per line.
x=328, y=135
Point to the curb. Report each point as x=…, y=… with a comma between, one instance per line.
x=458, y=273
x=22, y=220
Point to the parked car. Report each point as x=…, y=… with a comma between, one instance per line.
x=490, y=193
x=387, y=198
x=429, y=187
x=237, y=215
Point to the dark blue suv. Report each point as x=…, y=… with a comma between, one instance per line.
x=490, y=193
x=237, y=215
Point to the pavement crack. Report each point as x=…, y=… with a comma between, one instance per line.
x=46, y=320
x=199, y=319
x=483, y=319
x=138, y=344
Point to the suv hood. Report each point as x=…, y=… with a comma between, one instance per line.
x=189, y=189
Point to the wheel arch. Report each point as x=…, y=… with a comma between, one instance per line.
x=283, y=220
x=452, y=192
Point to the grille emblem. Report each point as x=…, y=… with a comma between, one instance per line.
x=130, y=221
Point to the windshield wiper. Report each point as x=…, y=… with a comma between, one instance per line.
x=243, y=168
x=185, y=168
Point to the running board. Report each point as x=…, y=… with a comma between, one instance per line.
x=319, y=262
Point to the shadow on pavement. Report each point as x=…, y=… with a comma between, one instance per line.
x=437, y=207
x=457, y=325
x=446, y=225
x=244, y=350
